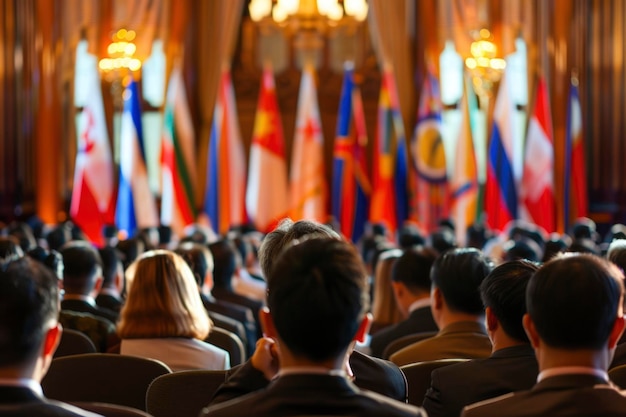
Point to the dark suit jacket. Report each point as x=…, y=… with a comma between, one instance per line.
x=455, y=386
x=312, y=394
x=370, y=373
x=23, y=402
x=84, y=307
x=420, y=320
x=237, y=312
x=619, y=357
x=574, y=395
x=109, y=302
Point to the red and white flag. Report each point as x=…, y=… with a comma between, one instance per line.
x=537, y=189
x=92, y=205
x=307, y=181
x=266, y=195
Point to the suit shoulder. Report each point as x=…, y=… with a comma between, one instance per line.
x=485, y=404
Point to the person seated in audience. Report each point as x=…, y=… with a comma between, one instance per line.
x=110, y=295
x=410, y=236
x=457, y=309
x=10, y=249
x=555, y=244
x=243, y=283
x=130, y=249
x=163, y=317
x=29, y=335
x=385, y=310
x=574, y=320
x=224, y=270
x=522, y=248
x=616, y=253
x=512, y=365
x=442, y=239
x=410, y=281
x=24, y=235
x=369, y=373
x=58, y=236
x=222, y=313
x=317, y=309
x=82, y=279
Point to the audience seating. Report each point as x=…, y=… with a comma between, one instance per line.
x=74, y=342
x=230, y=342
x=182, y=394
x=102, y=377
x=418, y=377
x=402, y=342
x=618, y=376
x=110, y=410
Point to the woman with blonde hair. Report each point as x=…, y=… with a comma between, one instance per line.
x=163, y=317
x=385, y=310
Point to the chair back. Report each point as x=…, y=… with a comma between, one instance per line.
x=618, y=376
x=102, y=377
x=418, y=377
x=183, y=393
x=110, y=410
x=404, y=341
x=74, y=342
x=230, y=342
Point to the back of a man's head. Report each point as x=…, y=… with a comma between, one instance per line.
x=574, y=299
x=504, y=292
x=81, y=267
x=111, y=265
x=285, y=233
x=29, y=304
x=458, y=274
x=224, y=263
x=317, y=295
x=412, y=269
x=617, y=253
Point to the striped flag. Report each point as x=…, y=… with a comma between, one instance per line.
x=500, y=187
x=576, y=204
x=430, y=202
x=307, y=181
x=177, y=158
x=266, y=196
x=389, y=193
x=136, y=207
x=224, y=198
x=464, y=181
x=537, y=187
x=93, y=205
x=351, y=184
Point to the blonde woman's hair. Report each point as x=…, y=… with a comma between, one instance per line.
x=385, y=310
x=163, y=300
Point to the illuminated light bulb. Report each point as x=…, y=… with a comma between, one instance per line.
x=290, y=6
x=279, y=14
x=121, y=34
x=135, y=64
x=130, y=48
x=324, y=6
x=335, y=12
x=130, y=35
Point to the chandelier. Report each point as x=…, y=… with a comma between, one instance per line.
x=483, y=64
x=308, y=24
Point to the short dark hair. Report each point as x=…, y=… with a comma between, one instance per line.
x=285, y=233
x=110, y=260
x=317, y=294
x=81, y=263
x=573, y=300
x=224, y=263
x=504, y=291
x=29, y=301
x=617, y=253
x=412, y=269
x=198, y=257
x=458, y=274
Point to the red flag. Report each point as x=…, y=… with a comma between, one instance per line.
x=92, y=204
x=307, y=181
x=266, y=195
x=537, y=188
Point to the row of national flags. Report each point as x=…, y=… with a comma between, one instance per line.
x=404, y=183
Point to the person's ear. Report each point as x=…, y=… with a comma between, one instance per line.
x=531, y=331
x=616, y=331
x=491, y=319
x=97, y=285
x=267, y=323
x=436, y=298
x=398, y=289
x=51, y=340
x=364, y=328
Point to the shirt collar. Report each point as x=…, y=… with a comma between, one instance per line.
x=311, y=370
x=89, y=300
x=568, y=370
x=422, y=302
x=24, y=383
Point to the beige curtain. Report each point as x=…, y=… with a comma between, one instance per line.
x=392, y=31
x=217, y=25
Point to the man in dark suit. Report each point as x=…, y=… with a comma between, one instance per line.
x=82, y=279
x=110, y=294
x=512, y=365
x=574, y=320
x=457, y=309
x=29, y=335
x=410, y=279
x=317, y=304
